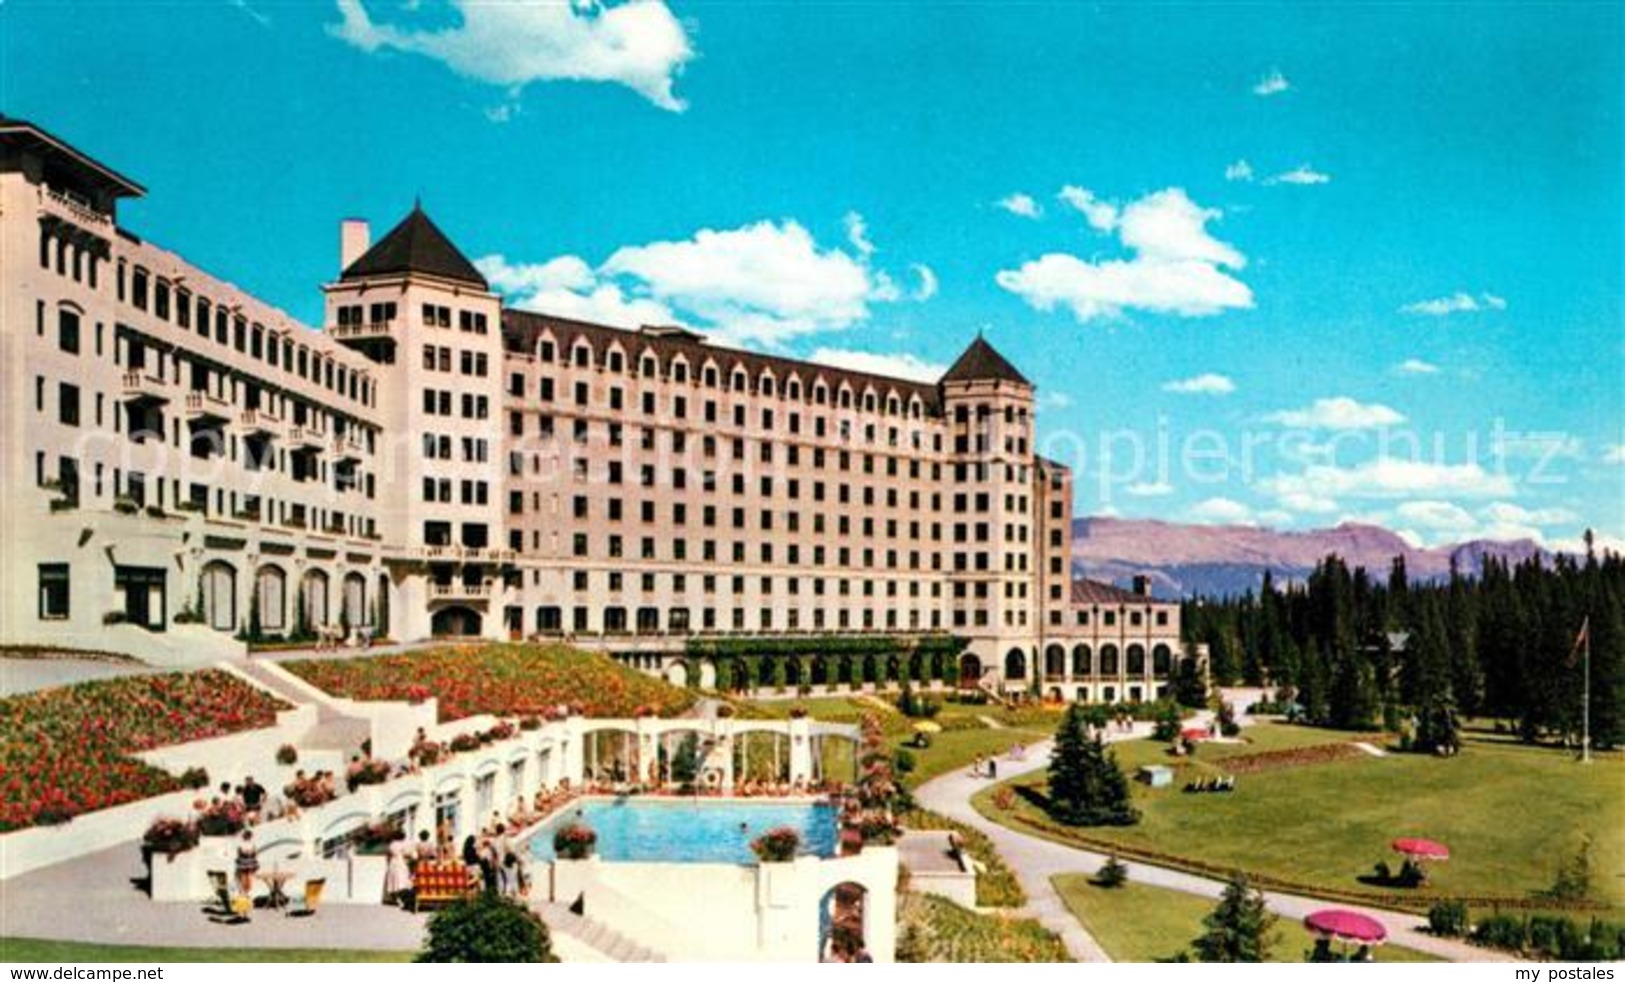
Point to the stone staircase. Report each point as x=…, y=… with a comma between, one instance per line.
x=613, y=945
x=334, y=730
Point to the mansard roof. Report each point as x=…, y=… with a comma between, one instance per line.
x=416, y=245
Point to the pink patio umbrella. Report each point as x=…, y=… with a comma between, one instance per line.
x=1422, y=849
x=1346, y=925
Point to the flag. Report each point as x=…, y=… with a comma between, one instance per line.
x=1580, y=641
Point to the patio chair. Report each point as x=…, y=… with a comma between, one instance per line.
x=227, y=909
x=305, y=905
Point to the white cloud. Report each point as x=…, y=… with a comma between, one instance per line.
x=1338, y=413
x=1208, y=383
x=1273, y=83
x=928, y=281
x=1020, y=204
x=1385, y=477
x=259, y=18
x=1614, y=454
x=896, y=366
x=1176, y=267
x=1239, y=171
x=1302, y=174
x=1220, y=511
x=1416, y=366
x=1456, y=303
x=568, y=287
x=857, y=233
x=1149, y=489
x=1054, y=400
x=640, y=44
x=762, y=283
x=1275, y=517
x=1436, y=515
x=1101, y=215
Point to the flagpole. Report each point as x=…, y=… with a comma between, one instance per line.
x=1585, y=736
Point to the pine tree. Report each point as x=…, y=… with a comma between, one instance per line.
x=1086, y=785
x=1240, y=928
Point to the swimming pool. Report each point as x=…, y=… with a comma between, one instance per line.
x=654, y=830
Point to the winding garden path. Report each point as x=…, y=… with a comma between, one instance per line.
x=1035, y=860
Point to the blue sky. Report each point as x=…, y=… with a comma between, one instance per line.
x=1307, y=228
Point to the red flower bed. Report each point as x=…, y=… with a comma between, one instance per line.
x=65, y=751
x=499, y=679
x=1272, y=760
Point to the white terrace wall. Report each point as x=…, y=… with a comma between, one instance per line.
x=225, y=757
x=724, y=912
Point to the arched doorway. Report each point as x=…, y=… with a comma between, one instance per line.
x=355, y=600
x=456, y=622
x=271, y=598
x=843, y=923
x=677, y=674
x=1015, y=665
x=970, y=671
x=217, y=593
x=314, y=591
x=1136, y=660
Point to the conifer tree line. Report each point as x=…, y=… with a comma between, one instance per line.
x=1358, y=651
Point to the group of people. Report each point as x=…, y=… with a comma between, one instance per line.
x=984, y=766
x=1211, y=784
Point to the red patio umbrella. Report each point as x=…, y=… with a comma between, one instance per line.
x=1346, y=925
x=1422, y=849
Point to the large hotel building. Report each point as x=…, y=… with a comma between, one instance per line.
x=186, y=466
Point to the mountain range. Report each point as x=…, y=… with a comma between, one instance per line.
x=1225, y=560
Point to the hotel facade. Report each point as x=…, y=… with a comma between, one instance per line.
x=186, y=466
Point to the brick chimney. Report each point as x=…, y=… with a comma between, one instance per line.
x=355, y=238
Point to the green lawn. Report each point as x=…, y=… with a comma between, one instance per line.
x=1508, y=813
x=36, y=950
x=1138, y=923
x=958, y=748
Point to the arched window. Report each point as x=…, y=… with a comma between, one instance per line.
x=1081, y=660
x=1108, y=659
x=1015, y=665
x=1136, y=659
x=1054, y=661
x=1161, y=660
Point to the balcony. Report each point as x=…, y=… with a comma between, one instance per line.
x=201, y=407
x=348, y=447
x=258, y=422
x=306, y=438
x=360, y=332
x=141, y=387
x=459, y=591
x=73, y=208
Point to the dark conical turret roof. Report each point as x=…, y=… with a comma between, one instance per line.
x=982, y=363
x=416, y=245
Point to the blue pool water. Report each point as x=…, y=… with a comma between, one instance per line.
x=662, y=830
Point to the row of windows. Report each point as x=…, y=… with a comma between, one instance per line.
x=468, y=321
x=438, y=402
x=711, y=377
x=437, y=358
x=221, y=323
x=648, y=620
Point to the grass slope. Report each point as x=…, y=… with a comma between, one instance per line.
x=1139, y=923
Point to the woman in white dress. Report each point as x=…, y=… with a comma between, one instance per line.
x=398, y=874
